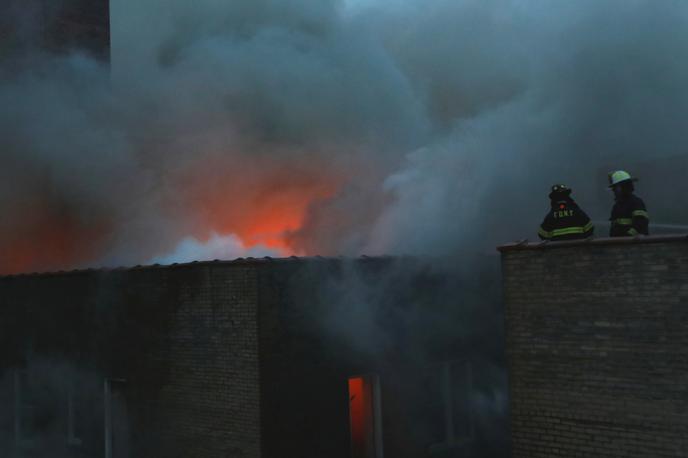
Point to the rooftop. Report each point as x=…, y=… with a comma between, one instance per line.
x=215, y=262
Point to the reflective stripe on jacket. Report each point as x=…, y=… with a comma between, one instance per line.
x=629, y=217
x=565, y=221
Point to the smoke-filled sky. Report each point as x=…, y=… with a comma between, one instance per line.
x=256, y=127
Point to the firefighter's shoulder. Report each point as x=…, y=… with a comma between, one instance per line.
x=637, y=202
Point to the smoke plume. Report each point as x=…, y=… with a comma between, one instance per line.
x=332, y=127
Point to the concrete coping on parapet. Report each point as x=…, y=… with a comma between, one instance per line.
x=592, y=241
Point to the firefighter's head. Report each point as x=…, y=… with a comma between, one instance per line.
x=560, y=192
x=621, y=182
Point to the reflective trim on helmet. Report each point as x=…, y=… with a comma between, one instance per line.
x=623, y=221
x=641, y=213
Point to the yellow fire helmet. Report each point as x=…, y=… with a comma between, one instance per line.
x=619, y=176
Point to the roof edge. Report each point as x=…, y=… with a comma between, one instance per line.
x=638, y=239
x=215, y=262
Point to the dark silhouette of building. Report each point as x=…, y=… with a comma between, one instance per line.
x=298, y=357
x=55, y=26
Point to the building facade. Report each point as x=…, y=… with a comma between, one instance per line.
x=249, y=358
x=597, y=347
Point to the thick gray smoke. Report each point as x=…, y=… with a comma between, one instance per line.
x=412, y=127
x=537, y=93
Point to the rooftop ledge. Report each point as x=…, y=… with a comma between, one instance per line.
x=528, y=245
x=214, y=262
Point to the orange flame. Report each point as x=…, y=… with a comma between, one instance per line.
x=44, y=237
x=262, y=202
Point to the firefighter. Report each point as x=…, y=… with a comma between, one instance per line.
x=629, y=215
x=565, y=220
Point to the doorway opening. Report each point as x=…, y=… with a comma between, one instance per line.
x=365, y=417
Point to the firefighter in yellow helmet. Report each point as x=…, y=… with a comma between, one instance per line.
x=565, y=220
x=629, y=215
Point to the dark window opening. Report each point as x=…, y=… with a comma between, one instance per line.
x=56, y=408
x=448, y=409
x=75, y=417
x=116, y=430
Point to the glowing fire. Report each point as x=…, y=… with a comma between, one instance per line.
x=42, y=236
x=261, y=203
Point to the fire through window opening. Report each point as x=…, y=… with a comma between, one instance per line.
x=365, y=417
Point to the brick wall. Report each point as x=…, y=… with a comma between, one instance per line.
x=247, y=358
x=208, y=403
x=597, y=347
x=184, y=339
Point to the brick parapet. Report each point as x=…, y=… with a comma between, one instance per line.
x=597, y=345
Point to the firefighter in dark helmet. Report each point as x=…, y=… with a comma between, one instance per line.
x=565, y=220
x=629, y=215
